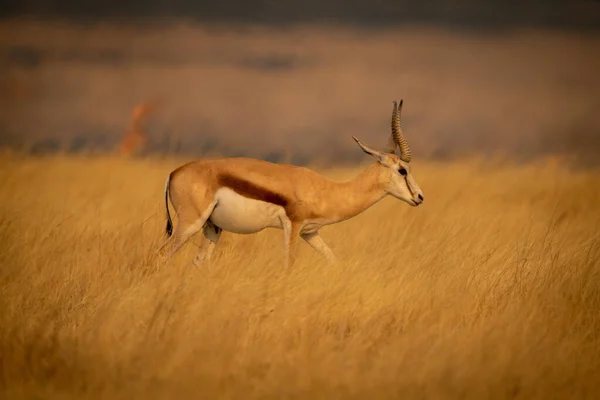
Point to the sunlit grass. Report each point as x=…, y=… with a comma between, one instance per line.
x=490, y=289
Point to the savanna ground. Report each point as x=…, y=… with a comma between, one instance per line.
x=490, y=289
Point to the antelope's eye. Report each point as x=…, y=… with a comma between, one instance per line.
x=402, y=171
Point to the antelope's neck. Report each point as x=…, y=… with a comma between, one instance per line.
x=356, y=195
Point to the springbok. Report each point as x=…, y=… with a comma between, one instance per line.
x=246, y=195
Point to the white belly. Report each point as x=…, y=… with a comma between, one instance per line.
x=238, y=214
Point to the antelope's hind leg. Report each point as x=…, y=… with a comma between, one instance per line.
x=189, y=223
x=212, y=233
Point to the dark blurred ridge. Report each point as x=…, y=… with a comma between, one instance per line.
x=464, y=14
x=298, y=94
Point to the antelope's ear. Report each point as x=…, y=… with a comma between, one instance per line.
x=383, y=158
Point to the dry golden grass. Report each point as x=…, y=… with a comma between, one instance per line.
x=491, y=289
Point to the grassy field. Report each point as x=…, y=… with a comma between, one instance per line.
x=490, y=289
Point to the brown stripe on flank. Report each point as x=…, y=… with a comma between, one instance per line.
x=248, y=189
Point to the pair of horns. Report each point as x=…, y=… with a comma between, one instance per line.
x=397, y=138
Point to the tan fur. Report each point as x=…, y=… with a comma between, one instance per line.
x=246, y=195
x=309, y=200
x=319, y=197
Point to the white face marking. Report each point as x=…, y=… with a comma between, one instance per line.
x=238, y=214
x=403, y=185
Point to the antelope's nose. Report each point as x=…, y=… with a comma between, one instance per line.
x=420, y=197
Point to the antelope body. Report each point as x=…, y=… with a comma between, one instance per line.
x=246, y=195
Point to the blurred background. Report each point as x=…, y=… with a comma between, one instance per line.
x=291, y=81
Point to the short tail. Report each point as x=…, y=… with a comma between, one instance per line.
x=169, y=228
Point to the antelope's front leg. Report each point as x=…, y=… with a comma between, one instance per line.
x=316, y=242
x=291, y=231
